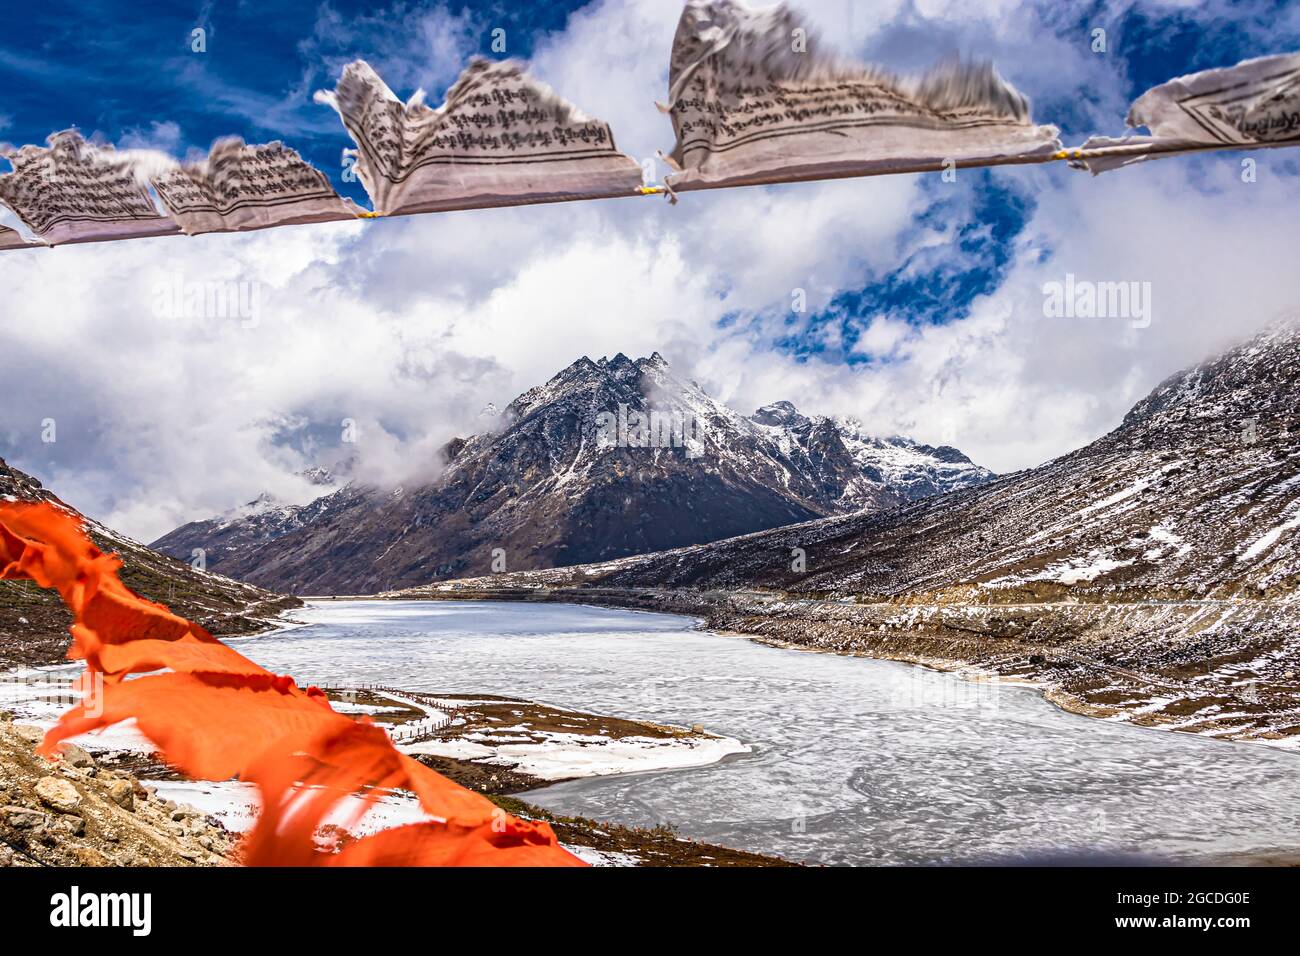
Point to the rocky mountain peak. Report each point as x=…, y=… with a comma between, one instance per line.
x=583, y=369
x=315, y=475
x=619, y=363
x=656, y=362
x=780, y=413
x=18, y=485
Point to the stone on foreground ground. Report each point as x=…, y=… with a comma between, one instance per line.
x=70, y=812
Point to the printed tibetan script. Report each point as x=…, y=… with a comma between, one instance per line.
x=501, y=138
x=1255, y=103
x=242, y=187
x=74, y=191
x=748, y=107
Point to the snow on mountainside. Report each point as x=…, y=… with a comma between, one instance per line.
x=875, y=472
x=33, y=622
x=609, y=458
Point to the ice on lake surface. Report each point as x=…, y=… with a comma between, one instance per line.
x=855, y=761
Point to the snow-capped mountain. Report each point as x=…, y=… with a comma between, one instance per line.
x=609, y=458
x=33, y=622
x=858, y=470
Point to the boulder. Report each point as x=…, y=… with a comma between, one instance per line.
x=28, y=733
x=58, y=794
x=72, y=824
x=87, y=856
x=22, y=818
x=75, y=756
x=122, y=793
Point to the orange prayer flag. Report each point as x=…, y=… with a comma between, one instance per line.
x=216, y=715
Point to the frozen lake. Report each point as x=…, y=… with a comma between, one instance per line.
x=855, y=761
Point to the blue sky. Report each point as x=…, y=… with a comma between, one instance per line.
x=924, y=297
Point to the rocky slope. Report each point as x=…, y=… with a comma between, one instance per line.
x=1151, y=574
x=74, y=812
x=34, y=623
x=571, y=475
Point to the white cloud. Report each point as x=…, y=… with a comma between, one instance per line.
x=410, y=48
x=164, y=135
x=408, y=327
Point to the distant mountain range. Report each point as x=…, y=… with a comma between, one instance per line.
x=1195, y=495
x=609, y=458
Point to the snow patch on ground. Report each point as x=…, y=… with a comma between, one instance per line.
x=237, y=804
x=348, y=707
x=562, y=756
x=594, y=857
x=41, y=696
x=1137, y=487
x=1077, y=570
x=1269, y=538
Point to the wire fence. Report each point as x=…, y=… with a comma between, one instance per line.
x=410, y=731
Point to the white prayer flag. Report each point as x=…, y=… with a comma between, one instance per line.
x=74, y=191
x=241, y=187
x=754, y=99
x=501, y=138
x=1251, y=105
